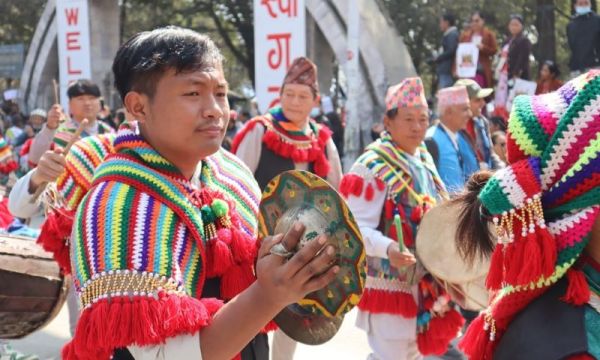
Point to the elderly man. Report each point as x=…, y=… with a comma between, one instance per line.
x=84, y=103
x=447, y=142
x=478, y=128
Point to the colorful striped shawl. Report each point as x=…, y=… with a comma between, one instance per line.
x=390, y=165
x=65, y=132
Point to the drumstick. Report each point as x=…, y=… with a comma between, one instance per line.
x=399, y=235
x=74, y=138
x=55, y=85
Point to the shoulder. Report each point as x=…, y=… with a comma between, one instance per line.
x=229, y=166
x=255, y=127
x=432, y=131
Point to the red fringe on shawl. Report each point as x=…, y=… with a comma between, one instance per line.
x=388, y=302
x=352, y=184
x=54, y=235
x=440, y=331
x=581, y=357
x=315, y=154
x=493, y=280
x=578, y=291
x=120, y=322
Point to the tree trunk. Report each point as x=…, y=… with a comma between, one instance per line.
x=545, y=23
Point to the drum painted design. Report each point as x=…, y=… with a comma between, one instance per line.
x=32, y=289
x=299, y=195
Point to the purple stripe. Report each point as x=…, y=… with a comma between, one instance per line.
x=587, y=172
x=183, y=243
x=96, y=242
x=534, y=164
x=568, y=92
x=146, y=234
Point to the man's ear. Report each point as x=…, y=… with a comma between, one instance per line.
x=137, y=105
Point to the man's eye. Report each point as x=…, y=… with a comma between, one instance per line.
x=222, y=94
x=192, y=93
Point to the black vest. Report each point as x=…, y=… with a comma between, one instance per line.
x=547, y=329
x=271, y=165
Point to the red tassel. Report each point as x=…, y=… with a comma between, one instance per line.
x=271, y=326
x=513, y=261
x=494, y=277
x=389, y=209
x=549, y=252
x=351, y=184
x=242, y=246
x=531, y=268
x=380, y=184
x=222, y=258
x=369, y=192
x=475, y=341
x=381, y=301
x=54, y=234
x=578, y=292
x=236, y=280
x=440, y=332
x=321, y=165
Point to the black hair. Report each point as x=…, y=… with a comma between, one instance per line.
x=499, y=121
x=82, y=87
x=450, y=18
x=517, y=17
x=554, y=69
x=495, y=136
x=480, y=14
x=473, y=238
x=391, y=113
x=145, y=57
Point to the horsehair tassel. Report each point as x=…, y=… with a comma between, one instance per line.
x=399, y=235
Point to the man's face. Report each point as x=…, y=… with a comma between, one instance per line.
x=583, y=3
x=455, y=117
x=36, y=121
x=477, y=105
x=408, y=127
x=297, y=101
x=187, y=116
x=443, y=24
x=84, y=107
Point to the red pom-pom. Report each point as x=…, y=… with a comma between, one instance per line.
x=221, y=258
x=369, y=192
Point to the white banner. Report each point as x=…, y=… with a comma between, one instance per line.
x=467, y=56
x=279, y=38
x=73, y=44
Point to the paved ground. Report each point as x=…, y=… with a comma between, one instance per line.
x=349, y=343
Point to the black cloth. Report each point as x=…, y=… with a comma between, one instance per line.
x=271, y=165
x=547, y=329
x=445, y=60
x=583, y=34
x=518, y=57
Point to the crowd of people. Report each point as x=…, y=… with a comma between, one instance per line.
x=155, y=207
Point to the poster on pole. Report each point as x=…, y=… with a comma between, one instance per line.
x=467, y=56
x=520, y=87
x=279, y=38
x=73, y=33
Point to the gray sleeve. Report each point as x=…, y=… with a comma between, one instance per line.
x=41, y=143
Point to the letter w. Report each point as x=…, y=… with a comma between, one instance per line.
x=72, y=15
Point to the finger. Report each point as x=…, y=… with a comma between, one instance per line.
x=319, y=282
x=293, y=235
x=304, y=256
x=317, y=266
x=267, y=243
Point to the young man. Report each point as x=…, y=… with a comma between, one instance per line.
x=452, y=153
x=478, y=127
x=84, y=103
x=286, y=137
x=163, y=229
x=388, y=189
x=444, y=62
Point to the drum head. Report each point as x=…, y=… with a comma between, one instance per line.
x=304, y=326
x=301, y=196
x=437, y=251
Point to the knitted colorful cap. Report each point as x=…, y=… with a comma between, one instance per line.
x=303, y=72
x=408, y=93
x=455, y=95
x=544, y=204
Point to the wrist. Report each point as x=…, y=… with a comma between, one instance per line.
x=259, y=294
x=34, y=183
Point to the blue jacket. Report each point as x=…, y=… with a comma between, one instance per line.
x=455, y=166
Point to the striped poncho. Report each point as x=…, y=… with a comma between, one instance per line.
x=145, y=239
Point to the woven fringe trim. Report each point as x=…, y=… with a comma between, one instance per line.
x=440, y=332
x=388, y=302
x=115, y=323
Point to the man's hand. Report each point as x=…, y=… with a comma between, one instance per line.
x=55, y=116
x=50, y=167
x=399, y=259
x=285, y=282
